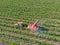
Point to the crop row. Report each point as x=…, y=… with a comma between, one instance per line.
x=52, y=33
x=16, y=19
x=25, y=39
x=50, y=25
x=9, y=18
x=23, y=16
x=55, y=29
x=7, y=21
x=9, y=42
x=44, y=36
x=6, y=25
x=26, y=18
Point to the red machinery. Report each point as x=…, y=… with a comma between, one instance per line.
x=32, y=27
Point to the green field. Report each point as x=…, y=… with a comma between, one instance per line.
x=13, y=11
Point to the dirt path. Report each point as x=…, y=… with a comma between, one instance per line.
x=1, y=43
x=45, y=40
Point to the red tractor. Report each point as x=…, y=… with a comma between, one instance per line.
x=22, y=25
x=33, y=27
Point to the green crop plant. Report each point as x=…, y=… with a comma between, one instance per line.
x=25, y=39
x=8, y=42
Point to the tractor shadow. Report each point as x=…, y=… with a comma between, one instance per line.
x=41, y=30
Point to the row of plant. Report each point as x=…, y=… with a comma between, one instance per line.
x=52, y=27
x=19, y=18
x=4, y=41
x=13, y=16
x=11, y=21
x=25, y=17
x=55, y=29
x=25, y=39
x=7, y=25
x=6, y=21
x=44, y=36
x=15, y=19
x=53, y=33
